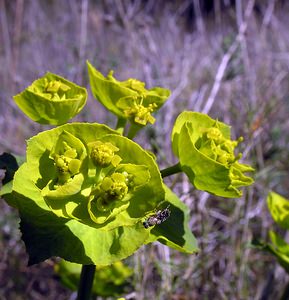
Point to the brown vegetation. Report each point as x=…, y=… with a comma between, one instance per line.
x=230, y=62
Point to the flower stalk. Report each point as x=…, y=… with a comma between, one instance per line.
x=121, y=122
x=171, y=170
x=85, y=283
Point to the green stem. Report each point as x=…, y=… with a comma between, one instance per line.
x=171, y=170
x=120, y=125
x=133, y=131
x=86, y=281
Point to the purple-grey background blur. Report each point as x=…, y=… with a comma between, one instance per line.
x=229, y=59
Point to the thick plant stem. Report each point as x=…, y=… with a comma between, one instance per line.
x=85, y=283
x=133, y=131
x=171, y=170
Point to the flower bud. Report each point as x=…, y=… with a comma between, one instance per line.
x=102, y=154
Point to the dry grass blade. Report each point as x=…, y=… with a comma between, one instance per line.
x=229, y=61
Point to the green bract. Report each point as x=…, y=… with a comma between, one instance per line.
x=175, y=231
x=51, y=100
x=83, y=192
x=127, y=99
x=278, y=247
x=206, y=155
x=279, y=209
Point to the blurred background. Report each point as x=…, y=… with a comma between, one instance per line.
x=226, y=58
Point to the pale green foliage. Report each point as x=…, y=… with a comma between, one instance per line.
x=206, y=154
x=127, y=99
x=92, y=189
x=51, y=99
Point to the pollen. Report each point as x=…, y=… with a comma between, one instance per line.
x=141, y=114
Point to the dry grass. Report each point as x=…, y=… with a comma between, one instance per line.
x=232, y=65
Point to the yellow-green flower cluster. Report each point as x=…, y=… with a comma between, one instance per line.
x=128, y=99
x=102, y=154
x=53, y=90
x=111, y=188
x=67, y=164
x=51, y=99
x=135, y=111
x=215, y=145
x=206, y=154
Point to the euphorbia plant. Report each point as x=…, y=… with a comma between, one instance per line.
x=278, y=247
x=91, y=195
x=279, y=209
x=206, y=154
x=51, y=99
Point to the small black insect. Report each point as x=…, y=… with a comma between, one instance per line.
x=159, y=217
